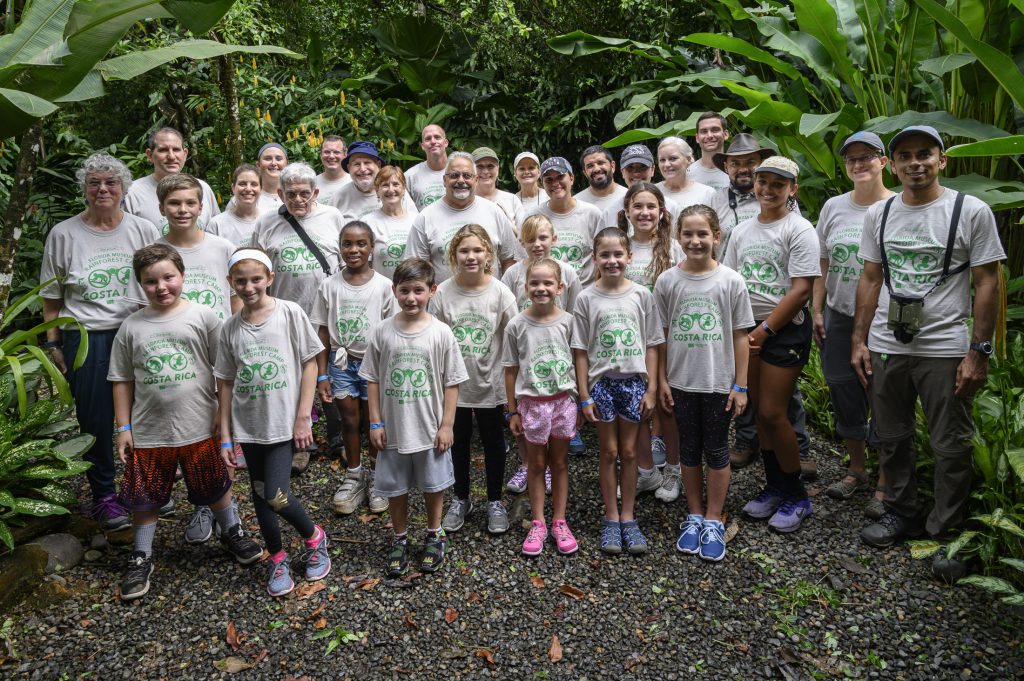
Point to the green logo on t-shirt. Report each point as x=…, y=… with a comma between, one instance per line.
x=204, y=297
x=764, y=272
x=291, y=254
x=569, y=253
x=174, y=361
x=609, y=338
x=843, y=252
x=545, y=368
x=548, y=372
x=261, y=370
x=102, y=278
x=417, y=378
x=617, y=334
x=409, y=376
x=396, y=251
x=697, y=321
x=167, y=360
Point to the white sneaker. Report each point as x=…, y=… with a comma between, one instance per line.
x=350, y=495
x=649, y=483
x=378, y=504
x=669, y=490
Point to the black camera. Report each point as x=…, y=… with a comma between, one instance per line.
x=905, y=317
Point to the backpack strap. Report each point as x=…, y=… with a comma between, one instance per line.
x=954, y=222
x=306, y=239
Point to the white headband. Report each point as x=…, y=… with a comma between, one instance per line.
x=250, y=254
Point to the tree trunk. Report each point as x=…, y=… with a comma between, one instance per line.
x=31, y=141
x=236, y=148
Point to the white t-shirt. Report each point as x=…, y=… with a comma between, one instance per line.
x=712, y=177
x=532, y=202
x=515, y=279
x=390, y=238
x=265, y=203
x=576, y=231
x=328, y=188
x=170, y=360
x=541, y=351
x=206, y=274
x=433, y=229
x=768, y=256
x=94, y=269
x=355, y=204
x=351, y=313
x=233, y=228
x=478, y=320
x=690, y=196
x=426, y=186
x=643, y=254
x=412, y=370
x=141, y=200
x=840, y=225
x=701, y=312
x=297, y=272
x=265, y=363
x=728, y=216
x=915, y=245
x=608, y=205
x=512, y=206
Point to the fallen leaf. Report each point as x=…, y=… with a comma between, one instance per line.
x=351, y=578
x=853, y=566
x=232, y=665
x=307, y=589
x=555, y=651
x=464, y=571
x=320, y=623
x=731, y=531
x=633, y=660
x=400, y=670
x=260, y=656
x=387, y=526
x=813, y=491
x=654, y=617
x=474, y=597
x=85, y=623
x=366, y=517
x=450, y=615
x=640, y=635
x=572, y=592
x=486, y=654
x=411, y=576
x=742, y=647
x=232, y=636
x=537, y=581
x=367, y=584
x=336, y=465
x=410, y=622
x=316, y=611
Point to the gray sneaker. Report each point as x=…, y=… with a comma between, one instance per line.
x=200, y=526
x=455, y=518
x=669, y=490
x=351, y=494
x=764, y=504
x=316, y=558
x=658, y=450
x=649, y=483
x=378, y=503
x=497, y=517
x=168, y=509
x=279, y=580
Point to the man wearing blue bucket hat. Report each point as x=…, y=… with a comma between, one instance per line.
x=358, y=198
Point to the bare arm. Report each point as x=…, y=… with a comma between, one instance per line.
x=868, y=289
x=445, y=434
x=794, y=300
x=225, y=390
x=515, y=424
x=650, y=398
x=582, y=363
x=303, y=430
x=322, y=360
x=664, y=390
x=740, y=345
x=818, y=304
x=973, y=370
x=378, y=436
x=51, y=310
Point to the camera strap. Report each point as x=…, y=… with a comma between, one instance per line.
x=306, y=239
x=954, y=222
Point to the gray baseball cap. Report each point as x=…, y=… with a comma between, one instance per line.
x=910, y=131
x=863, y=137
x=636, y=153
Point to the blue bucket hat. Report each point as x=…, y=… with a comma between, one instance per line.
x=361, y=147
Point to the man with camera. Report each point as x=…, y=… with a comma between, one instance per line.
x=922, y=250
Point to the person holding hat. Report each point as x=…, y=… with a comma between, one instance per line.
x=359, y=198
x=426, y=179
x=777, y=254
x=712, y=132
x=333, y=178
x=487, y=186
x=527, y=171
x=923, y=249
x=603, y=193
x=839, y=231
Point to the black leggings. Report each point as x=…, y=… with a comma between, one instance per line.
x=490, y=421
x=703, y=425
x=270, y=469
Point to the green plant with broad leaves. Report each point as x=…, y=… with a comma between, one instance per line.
x=35, y=408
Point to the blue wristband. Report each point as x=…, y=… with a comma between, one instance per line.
x=227, y=445
x=586, y=403
x=739, y=388
x=376, y=426
x=125, y=428
x=322, y=378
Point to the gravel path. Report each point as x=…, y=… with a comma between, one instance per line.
x=813, y=605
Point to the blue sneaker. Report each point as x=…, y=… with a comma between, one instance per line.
x=790, y=515
x=689, y=538
x=712, y=540
x=576, y=445
x=611, y=536
x=280, y=582
x=658, y=450
x=764, y=504
x=633, y=539
x=316, y=558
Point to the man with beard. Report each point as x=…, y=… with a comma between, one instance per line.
x=425, y=180
x=332, y=154
x=603, y=193
x=358, y=198
x=711, y=136
x=433, y=229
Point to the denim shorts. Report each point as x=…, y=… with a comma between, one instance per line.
x=619, y=397
x=347, y=382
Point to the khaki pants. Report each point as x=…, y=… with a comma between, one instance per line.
x=896, y=384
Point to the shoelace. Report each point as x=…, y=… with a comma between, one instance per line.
x=632, y=534
x=197, y=518
x=711, y=533
x=458, y=506
x=609, y=533
x=280, y=569
x=766, y=495
x=536, y=533
x=497, y=508
x=689, y=528
x=787, y=507
x=519, y=477
x=107, y=507
x=561, y=531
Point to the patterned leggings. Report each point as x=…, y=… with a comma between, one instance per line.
x=270, y=469
x=703, y=425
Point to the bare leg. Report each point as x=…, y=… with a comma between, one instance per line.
x=558, y=462
x=608, y=441
x=434, y=501
x=398, y=509
x=627, y=469
x=537, y=461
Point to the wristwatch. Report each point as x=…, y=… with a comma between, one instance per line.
x=984, y=347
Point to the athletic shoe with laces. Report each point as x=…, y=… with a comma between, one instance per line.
x=764, y=504
x=659, y=452
x=689, y=537
x=790, y=515
x=497, y=517
x=633, y=540
x=111, y=515
x=135, y=580
x=517, y=483
x=378, y=503
x=433, y=552
x=168, y=509
x=241, y=546
x=669, y=490
x=398, y=559
x=534, y=542
x=316, y=559
x=564, y=541
x=611, y=537
x=576, y=445
x=200, y=526
x=455, y=518
x=350, y=495
x=874, y=508
x=547, y=481
x=279, y=580
x=712, y=540
x=889, y=529
x=649, y=483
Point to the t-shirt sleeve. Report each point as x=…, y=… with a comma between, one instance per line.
x=419, y=245
x=580, y=324
x=454, y=368
x=510, y=248
x=508, y=308
x=120, y=368
x=653, y=331
x=304, y=336
x=742, y=314
x=661, y=294
x=822, y=228
x=572, y=289
x=510, y=347
x=225, y=368
x=804, y=254
x=318, y=314
x=869, y=249
x=53, y=267
x=368, y=370
x=984, y=238
x=213, y=328
x=729, y=259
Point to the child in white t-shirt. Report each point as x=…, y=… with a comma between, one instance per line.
x=162, y=363
x=413, y=369
x=237, y=223
x=616, y=334
x=266, y=371
x=706, y=314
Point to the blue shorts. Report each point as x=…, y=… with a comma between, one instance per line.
x=347, y=382
x=618, y=397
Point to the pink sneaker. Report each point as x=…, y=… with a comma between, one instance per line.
x=564, y=540
x=534, y=542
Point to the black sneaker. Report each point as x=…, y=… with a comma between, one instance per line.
x=135, y=580
x=244, y=549
x=433, y=554
x=889, y=529
x=398, y=559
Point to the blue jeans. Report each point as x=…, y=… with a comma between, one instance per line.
x=94, y=405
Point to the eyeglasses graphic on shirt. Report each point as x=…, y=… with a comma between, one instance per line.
x=478, y=336
x=765, y=272
x=417, y=378
x=919, y=262
x=567, y=253
x=175, y=361
x=608, y=337
x=705, y=320
x=396, y=251
x=205, y=297
x=265, y=370
x=841, y=253
x=101, y=278
x=292, y=253
x=350, y=326
x=544, y=368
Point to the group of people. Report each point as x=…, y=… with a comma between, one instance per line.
x=414, y=304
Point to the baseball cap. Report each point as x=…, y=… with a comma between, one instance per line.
x=864, y=137
x=525, y=154
x=481, y=153
x=780, y=165
x=636, y=153
x=910, y=130
x=556, y=163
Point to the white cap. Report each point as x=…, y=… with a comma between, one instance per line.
x=525, y=154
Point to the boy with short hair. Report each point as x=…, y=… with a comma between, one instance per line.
x=162, y=363
x=413, y=369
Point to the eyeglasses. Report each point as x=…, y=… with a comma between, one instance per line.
x=304, y=194
x=866, y=158
x=454, y=176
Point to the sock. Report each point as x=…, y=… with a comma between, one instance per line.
x=772, y=473
x=437, y=531
x=673, y=467
x=227, y=517
x=279, y=556
x=645, y=472
x=657, y=437
x=403, y=537
x=318, y=535
x=144, y=538
x=355, y=472
x=794, y=487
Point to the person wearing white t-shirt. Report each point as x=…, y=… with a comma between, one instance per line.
x=166, y=150
x=426, y=179
x=272, y=159
x=237, y=223
x=604, y=193
x=358, y=198
x=674, y=158
x=527, y=171
x=487, y=171
x=637, y=165
x=911, y=338
x=712, y=132
x=391, y=222
x=334, y=177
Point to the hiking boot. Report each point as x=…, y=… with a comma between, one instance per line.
x=517, y=483
x=576, y=445
x=497, y=517
x=316, y=559
x=534, y=542
x=564, y=541
x=111, y=515
x=433, y=554
x=398, y=559
x=633, y=540
x=611, y=537
x=300, y=461
x=742, y=456
x=808, y=469
x=167, y=510
x=241, y=546
x=279, y=580
x=455, y=518
x=790, y=515
x=689, y=538
x=850, y=484
x=350, y=495
x=659, y=451
x=947, y=570
x=889, y=529
x=875, y=508
x=764, y=504
x=712, y=540
x=669, y=490
x=135, y=580
x=200, y=526
x=649, y=483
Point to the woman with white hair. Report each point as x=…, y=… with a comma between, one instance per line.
x=674, y=158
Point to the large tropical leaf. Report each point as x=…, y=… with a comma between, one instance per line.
x=818, y=18
x=743, y=48
x=39, y=36
x=580, y=44
x=947, y=63
x=37, y=507
x=998, y=194
x=1001, y=146
x=942, y=121
x=136, y=63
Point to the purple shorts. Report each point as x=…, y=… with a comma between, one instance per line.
x=547, y=417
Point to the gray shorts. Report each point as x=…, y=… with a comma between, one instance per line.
x=426, y=471
x=849, y=398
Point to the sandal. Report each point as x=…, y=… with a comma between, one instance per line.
x=844, y=488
